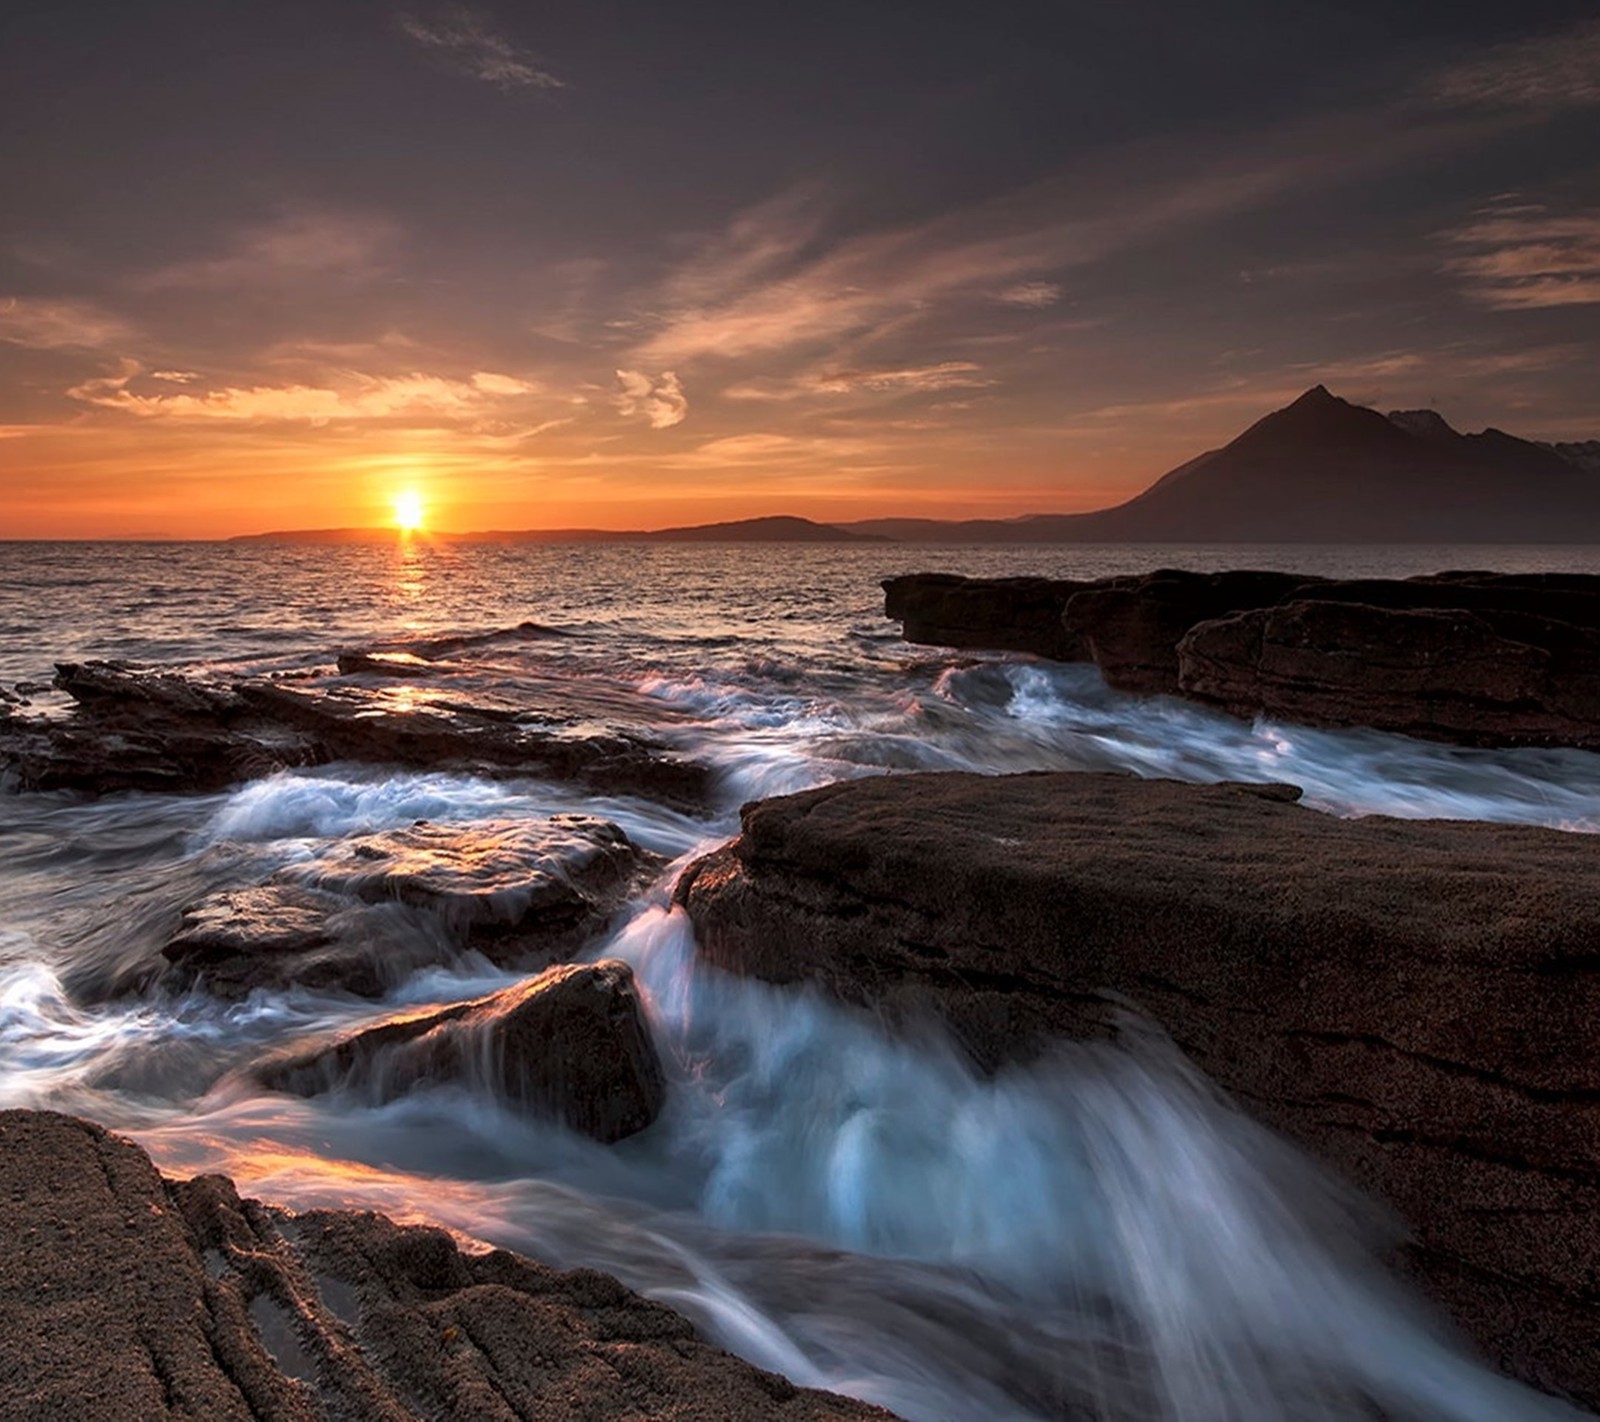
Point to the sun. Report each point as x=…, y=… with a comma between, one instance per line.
x=408, y=511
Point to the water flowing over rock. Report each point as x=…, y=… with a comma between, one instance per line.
x=136, y=729
x=1414, y=1001
x=571, y=1044
x=516, y=889
x=128, y=1295
x=1467, y=657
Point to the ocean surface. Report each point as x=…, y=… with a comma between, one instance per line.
x=860, y=1213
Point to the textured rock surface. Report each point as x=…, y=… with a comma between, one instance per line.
x=518, y=890
x=996, y=614
x=126, y=1295
x=1416, y=1002
x=136, y=729
x=570, y=1044
x=1489, y=677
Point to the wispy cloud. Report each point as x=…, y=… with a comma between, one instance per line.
x=47, y=325
x=356, y=398
x=925, y=379
x=1519, y=256
x=472, y=46
x=290, y=248
x=1551, y=71
x=1034, y=295
x=660, y=400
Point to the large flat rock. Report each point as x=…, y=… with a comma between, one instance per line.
x=1418, y=1003
x=125, y=1295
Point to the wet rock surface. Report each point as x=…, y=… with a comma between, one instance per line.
x=140, y=729
x=128, y=1295
x=570, y=1044
x=1418, y=1003
x=1467, y=657
x=517, y=890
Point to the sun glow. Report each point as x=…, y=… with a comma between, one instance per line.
x=408, y=511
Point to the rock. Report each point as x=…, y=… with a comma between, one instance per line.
x=1467, y=677
x=1130, y=627
x=996, y=614
x=516, y=889
x=127, y=1295
x=570, y=1044
x=1418, y=1003
x=136, y=729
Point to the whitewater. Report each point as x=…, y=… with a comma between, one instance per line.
x=1099, y=1234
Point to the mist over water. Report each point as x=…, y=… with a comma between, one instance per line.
x=1098, y=1235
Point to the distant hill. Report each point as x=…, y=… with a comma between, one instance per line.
x=782, y=528
x=1322, y=470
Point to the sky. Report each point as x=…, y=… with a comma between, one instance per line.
x=620, y=264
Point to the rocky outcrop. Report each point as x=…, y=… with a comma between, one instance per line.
x=515, y=889
x=1130, y=627
x=570, y=1044
x=1470, y=657
x=1471, y=677
x=127, y=1295
x=997, y=614
x=136, y=729
x=1418, y=1003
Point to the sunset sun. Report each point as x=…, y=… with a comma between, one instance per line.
x=408, y=511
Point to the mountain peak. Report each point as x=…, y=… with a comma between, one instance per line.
x=1427, y=424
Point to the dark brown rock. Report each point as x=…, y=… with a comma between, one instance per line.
x=570, y=1044
x=1471, y=677
x=136, y=729
x=518, y=890
x=126, y=1295
x=1130, y=627
x=996, y=614
x=1418, y=1003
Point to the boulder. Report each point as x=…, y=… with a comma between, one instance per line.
x=1479, y=677
x=127, y=1295
x=1417, y=1003
x=996, y=614
x=571, y=1044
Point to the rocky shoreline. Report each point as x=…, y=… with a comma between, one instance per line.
x=1415, y=1002
x=1486, y=659
x=129, y=1295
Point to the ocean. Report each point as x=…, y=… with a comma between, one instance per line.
x=858, y=1212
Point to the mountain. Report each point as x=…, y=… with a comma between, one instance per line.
x=781, y=528
x=1323, y=470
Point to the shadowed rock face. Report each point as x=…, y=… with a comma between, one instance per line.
x=998, y=614
x=1467, y=657
x=126, y=1295
x=142, y=730
x=570, y=1044
x=1418, y=1003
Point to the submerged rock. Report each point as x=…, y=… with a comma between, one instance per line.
x=571, y=1044
x=127, y=1295
x=1418, y=1003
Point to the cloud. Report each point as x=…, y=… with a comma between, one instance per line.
x=1551, y=71
x=474, y=48
x=1035, y=295
x=1519, y=256
x=61, y=325
x=288, y=249
x=949, y=375
x=356, y=398
x=661, y=401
